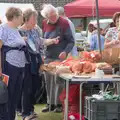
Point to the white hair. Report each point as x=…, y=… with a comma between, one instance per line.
x=47, y=8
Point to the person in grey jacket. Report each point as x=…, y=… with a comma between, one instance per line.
x=61, y=12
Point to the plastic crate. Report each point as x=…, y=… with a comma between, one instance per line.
x=91, y=89
x=101, y=109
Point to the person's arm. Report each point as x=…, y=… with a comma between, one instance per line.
x=45, y=42
x=108, y=43
x=1, y=43
x=48, y=42
x=0, y=57
x=72, y=27
x=69, y=39
x=74, y=51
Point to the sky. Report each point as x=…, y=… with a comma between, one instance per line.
x=5, y=6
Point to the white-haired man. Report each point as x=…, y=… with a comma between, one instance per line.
x=55, y=26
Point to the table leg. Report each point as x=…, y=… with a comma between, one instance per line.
x=56, y=89
x=102, y=88
x=118, y=88
x=80, y=107
x=66, y=101
x=51, y=85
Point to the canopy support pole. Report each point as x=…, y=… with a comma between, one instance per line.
x=98, y=26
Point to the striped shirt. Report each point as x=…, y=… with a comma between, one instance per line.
x=11, y=37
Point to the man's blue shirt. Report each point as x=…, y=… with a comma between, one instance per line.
x=94, y=44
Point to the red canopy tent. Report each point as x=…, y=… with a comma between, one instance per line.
x=87, y=8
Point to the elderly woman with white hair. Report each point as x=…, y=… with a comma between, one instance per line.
x=55, y=26
x=35, y=48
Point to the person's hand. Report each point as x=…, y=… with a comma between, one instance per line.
x=0, y=71
x=42, y=67
x=51, y=41
x=62, y=55
x=43, y=58
x=117, y=41
x=56, y=40
x=25, y=38
x=114, y=42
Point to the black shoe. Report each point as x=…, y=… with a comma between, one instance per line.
x=30, y=117
x=58, y=109
x=34, y=113
x=46, y=109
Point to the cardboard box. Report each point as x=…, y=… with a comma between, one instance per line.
x=111, y=56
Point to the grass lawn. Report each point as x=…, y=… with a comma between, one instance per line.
x=46, y=116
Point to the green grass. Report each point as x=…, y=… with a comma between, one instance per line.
x=46, y=116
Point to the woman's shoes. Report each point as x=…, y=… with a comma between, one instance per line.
x=32, y=116
x=47, y=107
x=54, y=108
x=58, y=110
